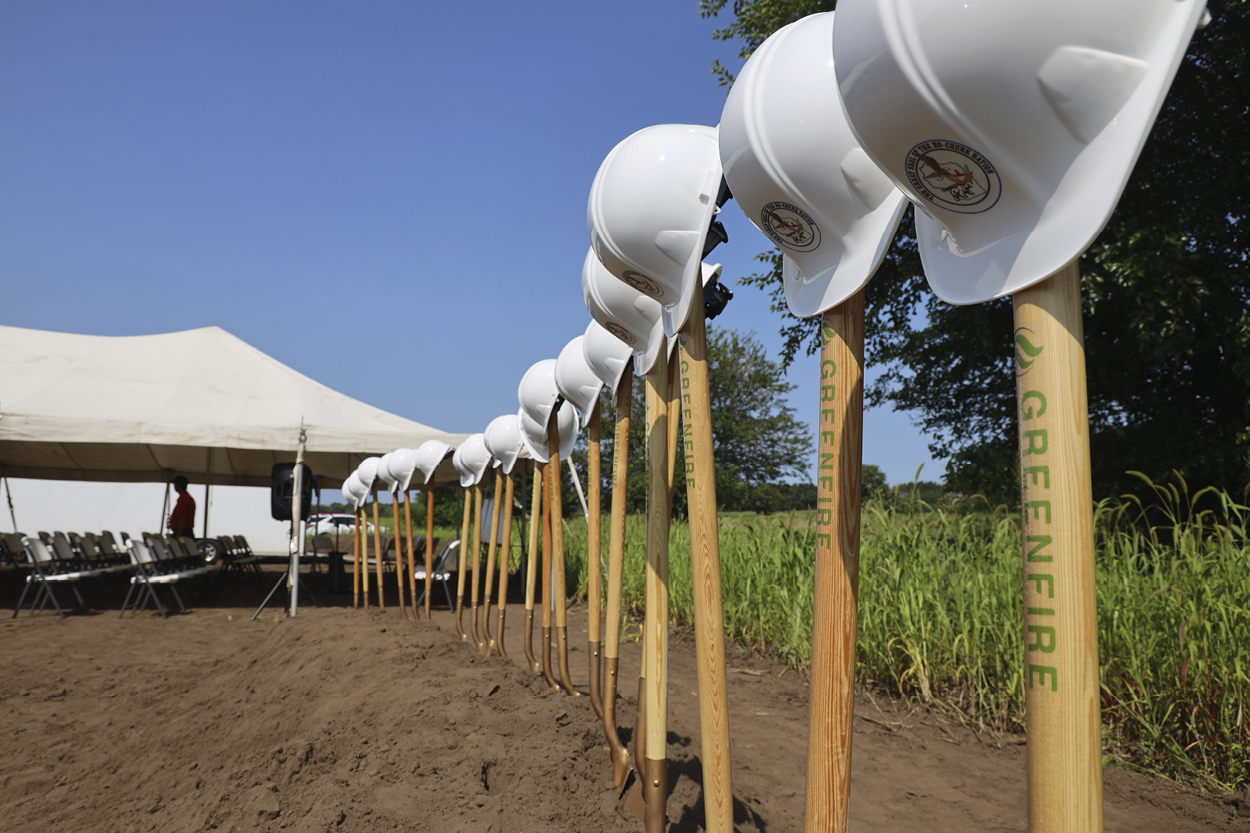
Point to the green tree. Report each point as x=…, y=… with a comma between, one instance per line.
x=759, y=441
x=1166, y=289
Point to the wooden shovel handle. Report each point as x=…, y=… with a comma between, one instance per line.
x=655, y=649
x=462, y=564
x=705, y=568
x=835, y=614
x=616, y=572
x=1061, y=693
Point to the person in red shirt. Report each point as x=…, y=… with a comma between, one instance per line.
x=182, y=519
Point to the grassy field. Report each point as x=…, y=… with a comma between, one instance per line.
x=941, y=614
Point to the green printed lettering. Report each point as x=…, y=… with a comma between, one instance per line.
x=826, y=460
x=1041, y=638
x=828, y=369
x=1034, y=442
x=828, y=437
x=828, y=393
x=1034, y=409
x=824, y=539
x=1040, y=611
x=828, y=414
x=1033, y=553
x=1034, y=471
x=824, y=516
x=1042, y=671
x=1037, y=506
x=825, y=483
x=1039, y=578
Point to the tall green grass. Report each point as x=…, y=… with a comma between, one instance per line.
x=941, y=614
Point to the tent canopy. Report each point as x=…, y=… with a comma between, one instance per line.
x=201, y=403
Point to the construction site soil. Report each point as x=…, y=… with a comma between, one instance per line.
x=353, y=720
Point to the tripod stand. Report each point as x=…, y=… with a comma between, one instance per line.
x=283, y=580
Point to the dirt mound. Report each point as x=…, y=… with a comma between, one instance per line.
x=343, y=720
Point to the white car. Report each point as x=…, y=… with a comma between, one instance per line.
x=327, y=524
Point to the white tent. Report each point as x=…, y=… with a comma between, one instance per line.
x=200, y=403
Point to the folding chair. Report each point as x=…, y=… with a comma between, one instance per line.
x=440, y=573
x=148, y=576
x=45, y=572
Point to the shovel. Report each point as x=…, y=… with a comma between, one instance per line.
x=531, y=567
x=835, y=613
x=429, y=549
x=594, y=544
x=462, y=565
x=560, y=596
x=617, y=752
x=505, y=553
x=705, y=569
x=377, y=549
x=356, y=561
x=475, y=538
x=488, y=643
x=546, y=599
x=399, y=555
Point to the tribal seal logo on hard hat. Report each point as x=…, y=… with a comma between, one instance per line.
x=642, y=283
x=953, y=176
x=789, y=226
x=621, y=333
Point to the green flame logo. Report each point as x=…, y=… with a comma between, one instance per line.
x=1026, y=353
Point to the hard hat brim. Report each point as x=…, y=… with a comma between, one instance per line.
x=858, y=257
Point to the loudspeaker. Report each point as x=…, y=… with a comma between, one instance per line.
x=283, y=487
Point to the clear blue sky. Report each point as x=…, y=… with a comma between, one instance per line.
x=388, y=197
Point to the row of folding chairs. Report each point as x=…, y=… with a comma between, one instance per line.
x=73, y=561
x=162, y=562
x=70, y=561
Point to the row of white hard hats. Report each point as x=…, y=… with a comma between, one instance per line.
x=574, y=382
x=395, y=470
x=1014, y=153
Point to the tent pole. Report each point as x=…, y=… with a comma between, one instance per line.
x=160, y=525
x=208, y=470
x=8, y=491
x=297, y=508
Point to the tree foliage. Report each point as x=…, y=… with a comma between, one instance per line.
x=759, y=443
x=1166, y=297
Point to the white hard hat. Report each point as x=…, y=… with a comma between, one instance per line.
x=355, y=491
x=367, y=471
x=384, y=473
x=576, y=379
x=538, y=391
x=1013, y=127
x=503, y=440
x=626, y=313
x=429, y=455
x=402, y=463
x=472, y=460
x=606, y=354
x=534, y=435
x=650, y=210
x=798, y=173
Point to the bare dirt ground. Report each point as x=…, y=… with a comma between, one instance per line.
x=346, y=720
